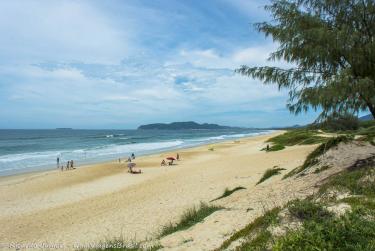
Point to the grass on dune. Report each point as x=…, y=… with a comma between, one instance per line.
x=350, y=232
x=259, y=225
x=312, y=158
x=320, y=228
x=355, y=230
x=189, y=218
x=269, y=173
x=228, y=192
x=297, y=137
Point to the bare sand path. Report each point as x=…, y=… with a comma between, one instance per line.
x=103, y=201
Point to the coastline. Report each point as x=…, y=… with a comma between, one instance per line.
x=91, y=162
x=68, y=207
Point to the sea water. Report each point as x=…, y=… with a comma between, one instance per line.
x=30, y=150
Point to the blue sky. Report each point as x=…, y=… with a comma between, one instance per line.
x=119, y=64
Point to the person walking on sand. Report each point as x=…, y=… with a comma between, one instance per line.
x=58, y=162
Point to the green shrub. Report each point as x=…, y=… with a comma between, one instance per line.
x=228, y=192
x=351, y=180
x=349, y=232
x=269, y=173
x=312, y=158
x=276, y=147
x=189, y=218
x=308, y=210
x=339, y=122
x=366, y=124
x=298, y=136
x=259, y=225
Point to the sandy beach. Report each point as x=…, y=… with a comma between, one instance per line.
x=103, y=201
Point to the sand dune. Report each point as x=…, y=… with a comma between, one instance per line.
x=103, y=201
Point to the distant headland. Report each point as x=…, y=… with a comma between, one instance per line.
x=182, y=126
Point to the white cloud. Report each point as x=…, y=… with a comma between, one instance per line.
x=59, y=31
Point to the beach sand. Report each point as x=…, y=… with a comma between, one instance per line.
x=103, y=201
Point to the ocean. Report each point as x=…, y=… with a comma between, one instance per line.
x=31, y=150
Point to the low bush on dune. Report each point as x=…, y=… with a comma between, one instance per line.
x=313, y=157
x=274, y=148
x=308, y=210
x=269, y=173
x=354, y=230
x=367, y=134
x=338, y=122
x=320, y=227
x=257, y=228
x=349, y=232
x=228, y=192
x=295, y=137
x=189, y=218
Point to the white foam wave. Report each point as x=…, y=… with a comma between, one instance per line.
x=48, y=158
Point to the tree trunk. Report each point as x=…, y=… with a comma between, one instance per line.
x=372, y=109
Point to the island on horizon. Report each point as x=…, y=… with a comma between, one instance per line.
x=183, y=126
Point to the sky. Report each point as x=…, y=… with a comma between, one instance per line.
x=122, y=63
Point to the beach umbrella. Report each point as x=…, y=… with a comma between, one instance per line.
x=131, y=164
x=171, y=158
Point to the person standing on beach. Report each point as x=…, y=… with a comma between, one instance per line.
x=67, y=165
x=58, y=162
x=71, y=164
x=133, y=156
x=178, y=157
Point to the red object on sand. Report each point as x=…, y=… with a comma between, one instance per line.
x=171, y=158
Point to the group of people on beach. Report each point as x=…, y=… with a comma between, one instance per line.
x=69, y=165
x=131, y=164
x=170, y=162
x=130, y=161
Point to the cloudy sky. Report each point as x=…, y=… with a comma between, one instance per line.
x=119, y=64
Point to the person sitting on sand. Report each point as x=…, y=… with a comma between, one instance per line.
x=131, y=170
x=163, y=163
x=129, y=160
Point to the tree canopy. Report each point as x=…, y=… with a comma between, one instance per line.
x=330, y=47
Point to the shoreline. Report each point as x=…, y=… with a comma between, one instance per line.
x=103, y=201
x=46, y=169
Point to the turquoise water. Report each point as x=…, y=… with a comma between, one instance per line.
x=30, y=150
